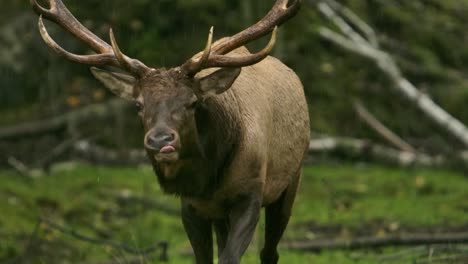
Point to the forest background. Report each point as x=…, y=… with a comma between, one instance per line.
x=427, y=38
x=344, y=196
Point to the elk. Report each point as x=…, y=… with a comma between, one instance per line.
x=226, y=131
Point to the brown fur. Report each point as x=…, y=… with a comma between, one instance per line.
x=262, y=122
x=227, y=141
x=238, y=139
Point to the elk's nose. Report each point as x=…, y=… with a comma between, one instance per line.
x=157, y=141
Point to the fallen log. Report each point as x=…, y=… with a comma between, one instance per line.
x=100, y=110
x=101, y=155
x=367, y=150
x=335, y=147
x=22, y=169
x=350, y=148
x=376, y=242
x=148, y=203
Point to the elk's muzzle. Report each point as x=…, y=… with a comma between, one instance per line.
x=161, y=141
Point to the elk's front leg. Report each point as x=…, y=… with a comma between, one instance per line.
x=199, y=233
x=243, y=219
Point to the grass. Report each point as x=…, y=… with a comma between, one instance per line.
x=352, y=198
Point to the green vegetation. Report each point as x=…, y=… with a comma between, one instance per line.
x=354, y=199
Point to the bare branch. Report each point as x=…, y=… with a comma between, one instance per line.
x=434, y=111
x=57, y=122
x=149, y=203
x=374, y=242
x=340, y=40
x=98, y=154
x=382, y=130
x=114, y=244
x=56, y=152
x=352, y=147
x=356, y=21
x=22, y=169
x=384, y=61
x=341, y=23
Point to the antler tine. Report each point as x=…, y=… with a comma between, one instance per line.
x=96, y=59
x=279, y=14
x=106, y=55
x=194, y=65
x=59, y=14
x=39, y=9
x=226, y=61
x=132, y=65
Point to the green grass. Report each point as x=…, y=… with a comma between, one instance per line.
x=350, y=195
x=83, y=198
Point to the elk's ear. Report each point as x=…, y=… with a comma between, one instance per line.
x=217, y=82
x=120, y=84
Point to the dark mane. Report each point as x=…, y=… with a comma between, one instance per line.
x=218, y=126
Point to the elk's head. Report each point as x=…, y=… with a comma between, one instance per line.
x=166, y=98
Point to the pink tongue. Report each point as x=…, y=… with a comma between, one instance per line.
x=167, y=149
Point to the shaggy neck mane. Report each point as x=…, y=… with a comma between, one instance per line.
x=218, y=128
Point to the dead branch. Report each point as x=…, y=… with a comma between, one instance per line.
x=23, y=170
x=376, y=242
x=381, y=129
x=454, y=259
x=129, y=198
x=117, y=245
x=101, y=155
x=347, y=146
x=56, y=152
x=362, y=26
x=343, y=147
x=410, y=252
x=353, y=41
x=419, y=252
x=42, y=165
x=365, y=149
x=100, y=110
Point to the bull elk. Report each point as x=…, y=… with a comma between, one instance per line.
x=226, y=131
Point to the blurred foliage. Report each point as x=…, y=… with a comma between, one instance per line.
x=427, y=38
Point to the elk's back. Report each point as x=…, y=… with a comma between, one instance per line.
x=269, y=100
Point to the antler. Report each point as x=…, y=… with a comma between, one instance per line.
x=213, y=55
x=106, y=54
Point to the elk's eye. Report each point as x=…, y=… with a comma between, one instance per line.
x=139, y=106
